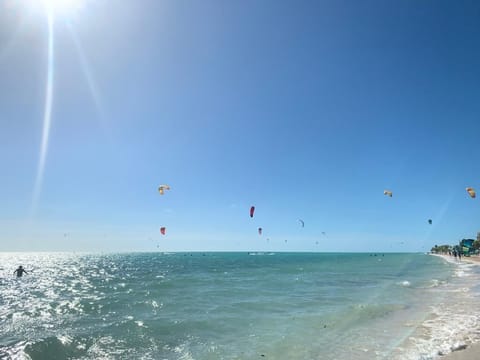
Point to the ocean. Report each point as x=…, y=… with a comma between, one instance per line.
x=236, y=306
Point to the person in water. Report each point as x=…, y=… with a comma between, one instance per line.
x=20, y=271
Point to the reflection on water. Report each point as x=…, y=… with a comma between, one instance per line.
x=63, y=296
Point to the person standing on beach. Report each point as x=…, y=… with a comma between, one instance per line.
x=20, y=271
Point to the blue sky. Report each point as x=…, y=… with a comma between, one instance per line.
x=305, y=109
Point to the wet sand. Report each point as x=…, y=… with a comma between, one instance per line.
x=471, y=352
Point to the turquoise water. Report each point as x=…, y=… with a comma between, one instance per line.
x=233, y=306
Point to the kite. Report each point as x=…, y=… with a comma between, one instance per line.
x=387, y=192
x=302, y=222
x=162, y=188
x=252, y=210
x=471, y=192
x=162, y=230
x=259, y=231
x=430, y=221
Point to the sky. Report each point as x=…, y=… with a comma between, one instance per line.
x=305, y=109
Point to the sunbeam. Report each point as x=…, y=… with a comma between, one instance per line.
x=47, y=115
x=92, y=86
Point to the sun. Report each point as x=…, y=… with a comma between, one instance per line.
x=53, y=8
x=62, y=7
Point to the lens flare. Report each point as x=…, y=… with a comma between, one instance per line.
x=47, y=115
x=92, y=86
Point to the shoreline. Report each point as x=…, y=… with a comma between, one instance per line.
x=471, y=351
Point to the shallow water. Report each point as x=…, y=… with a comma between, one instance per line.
x=234, y=306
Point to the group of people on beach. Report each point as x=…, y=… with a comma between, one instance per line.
x=456, y=253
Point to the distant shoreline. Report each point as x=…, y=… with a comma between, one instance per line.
x=471, y=259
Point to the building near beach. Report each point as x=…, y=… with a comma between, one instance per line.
x=466, y=246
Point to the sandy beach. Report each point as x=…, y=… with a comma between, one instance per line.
x=471, y=352
x=473, y=259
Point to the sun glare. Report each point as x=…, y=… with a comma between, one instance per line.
x=56, y=8
x=62, y=6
